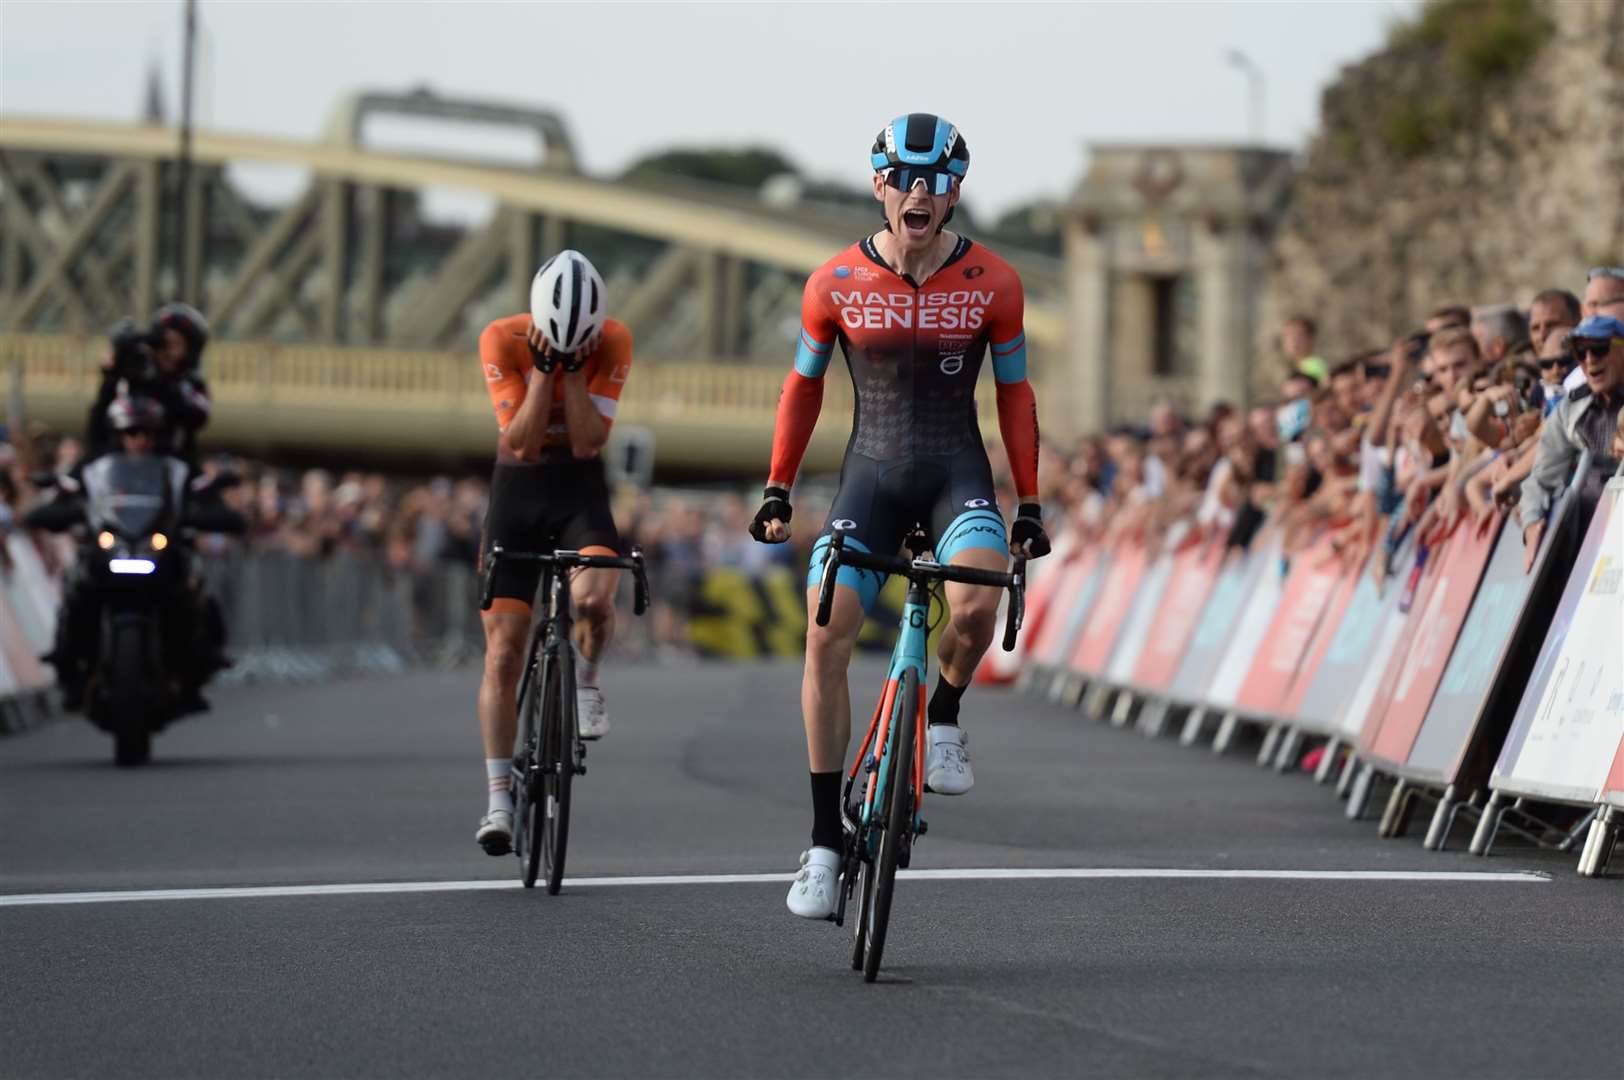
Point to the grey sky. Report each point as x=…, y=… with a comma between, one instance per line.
x=1028, y=84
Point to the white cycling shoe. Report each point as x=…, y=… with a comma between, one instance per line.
x=947, y=764
x=495, y=833
x=591, y=714
x=815, y=890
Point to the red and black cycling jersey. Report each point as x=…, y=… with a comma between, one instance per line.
x=914, y=351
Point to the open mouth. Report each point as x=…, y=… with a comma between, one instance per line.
x=916, y=220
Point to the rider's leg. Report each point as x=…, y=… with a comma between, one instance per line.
x=507, y=631
x=593, y=594
x=975, y=538
x=971, y=626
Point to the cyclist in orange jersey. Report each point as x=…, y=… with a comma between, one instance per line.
x=555, y=377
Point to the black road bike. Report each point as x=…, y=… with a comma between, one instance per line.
x=550, y=753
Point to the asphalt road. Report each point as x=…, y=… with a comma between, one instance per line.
x=1133, y=975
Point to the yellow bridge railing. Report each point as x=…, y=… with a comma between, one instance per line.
x=432, y=404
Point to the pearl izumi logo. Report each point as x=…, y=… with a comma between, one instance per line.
x=961, y=309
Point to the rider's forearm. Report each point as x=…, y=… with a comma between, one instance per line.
x=528, y=428
x=588, y=430
x=1018, y=424
x=798, y=408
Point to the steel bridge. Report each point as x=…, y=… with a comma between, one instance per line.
x=346, y=317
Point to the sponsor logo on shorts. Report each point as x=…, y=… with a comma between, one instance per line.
x=843, y=524
x=977, y=504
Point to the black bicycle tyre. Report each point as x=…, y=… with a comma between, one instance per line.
x=558, y=739
x=899, y=810
x=865, y=896
x=526, y=804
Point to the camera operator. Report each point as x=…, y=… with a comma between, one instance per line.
x=163, y=363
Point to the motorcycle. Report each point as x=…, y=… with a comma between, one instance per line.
x=135, y=571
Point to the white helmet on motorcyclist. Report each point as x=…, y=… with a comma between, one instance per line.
x=568, y=303
x=135, y=413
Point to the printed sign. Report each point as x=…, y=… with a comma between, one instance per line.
x=1246, y=635
x=1570, y=721
x=1312, y=580
x=1420, y=667
x=1128, y=564
x=1195, y=573
x=1211, y=638
x=1136, y=627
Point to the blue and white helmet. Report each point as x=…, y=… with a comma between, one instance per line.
x=921, y=146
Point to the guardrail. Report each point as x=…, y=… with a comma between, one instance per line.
x=1457, y=678
x=270, y=397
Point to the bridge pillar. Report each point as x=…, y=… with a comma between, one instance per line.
x=373, y=212
x=1163, y=246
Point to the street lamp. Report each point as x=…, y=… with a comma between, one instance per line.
x=1254, y=88
x=185, y=272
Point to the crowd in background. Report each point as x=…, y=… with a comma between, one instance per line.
x=1483, y=408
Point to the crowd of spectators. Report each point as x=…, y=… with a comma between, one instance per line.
x=1483, y=409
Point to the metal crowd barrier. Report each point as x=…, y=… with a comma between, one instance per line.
x=1460, y=681
x=295, y=618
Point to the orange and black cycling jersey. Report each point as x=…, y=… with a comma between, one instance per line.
x=914, y=351
x=504, y=354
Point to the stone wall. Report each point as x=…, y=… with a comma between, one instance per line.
x=1438, y=177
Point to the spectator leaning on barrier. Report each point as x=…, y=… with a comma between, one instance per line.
x=1604, y=292
x=1500, y=330
x=1586, y=420
x=1551, y=310
x=1297, y=336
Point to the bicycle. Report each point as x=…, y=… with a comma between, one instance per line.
x=550, y=753
x=882, y=820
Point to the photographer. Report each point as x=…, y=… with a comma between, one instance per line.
x=162, y=363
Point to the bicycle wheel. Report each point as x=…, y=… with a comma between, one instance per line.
x=897, y=824
x=527, y=799
x=865, y=898
x=558, y=735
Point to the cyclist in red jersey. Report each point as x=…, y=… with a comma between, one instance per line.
x=916, y=310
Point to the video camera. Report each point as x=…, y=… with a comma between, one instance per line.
x=133, y=352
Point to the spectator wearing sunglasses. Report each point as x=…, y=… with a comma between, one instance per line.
x=1586, y=420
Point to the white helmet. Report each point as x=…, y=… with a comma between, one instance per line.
x=567, y=301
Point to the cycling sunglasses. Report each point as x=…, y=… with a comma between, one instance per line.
x=1598, y=349
x=936, y=181
x=1548, y=362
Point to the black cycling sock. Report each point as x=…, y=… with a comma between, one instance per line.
x=944, y=703
x=826, y=829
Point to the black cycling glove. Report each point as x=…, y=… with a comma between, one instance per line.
x=1027, y=535
x=573, y=362
x=543, y=360
x=774, y=507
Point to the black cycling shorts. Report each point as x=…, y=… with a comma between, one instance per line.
x=880, y=502
x=558, y=505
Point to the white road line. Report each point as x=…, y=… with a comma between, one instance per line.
x=993, y=874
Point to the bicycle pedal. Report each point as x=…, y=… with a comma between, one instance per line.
x=580, y=770
x=924, y=827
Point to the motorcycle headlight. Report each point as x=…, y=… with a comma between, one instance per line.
x=159, y=541
x=106, y=540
